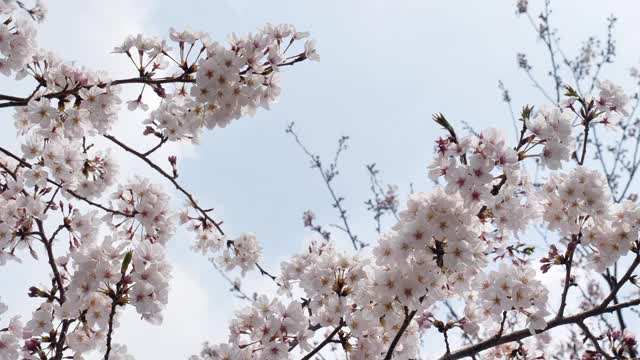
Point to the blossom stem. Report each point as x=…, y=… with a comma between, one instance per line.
x=584, y=145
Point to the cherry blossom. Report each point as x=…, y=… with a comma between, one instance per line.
x=17, y=35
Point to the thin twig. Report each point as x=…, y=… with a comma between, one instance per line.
x=327, y=177
x=593, y=340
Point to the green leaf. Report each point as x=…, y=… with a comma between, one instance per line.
x=126, y=262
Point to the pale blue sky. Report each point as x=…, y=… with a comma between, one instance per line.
x=385, y=68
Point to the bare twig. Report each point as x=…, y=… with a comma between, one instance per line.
x=327, y=176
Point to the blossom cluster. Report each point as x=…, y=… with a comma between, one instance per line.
x=63, y=162
x=58, y=120
x=20, y=210
x=579, y=203
x=552, y=128
x=467, y=165
x=142, y=211
x=241, y=252
x=333, y=282
x=607, y=108
x=573, y=199
x=436, y=245
x=230, y=82
x=17, y=35
x=10, y=336
x=265, y=330
x=128, y=267
x=505, y=289
x=611, y=98
x=484, y=171
x=336, y=290
x=74, y=101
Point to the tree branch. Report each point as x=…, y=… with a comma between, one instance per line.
x=17, y=101
x=567, y=278
x=405, y=324
x=177, y=185
x=325, y=342
x=625, y=278
x=593, y=340
x=525, y=333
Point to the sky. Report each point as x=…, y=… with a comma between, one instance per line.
x=386, y=67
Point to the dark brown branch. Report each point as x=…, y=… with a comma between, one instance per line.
x=50, y=202
x=584, y=144
x=192, y=200
x=112, y=315
x=171, y=179
x=405, y=324
x=116, y=300
x=153, y=149
x=525, y=333
x=17, y=101
x=61, y=340
x=446, y=341
x=48, y=244
x=10, y=98
x=593, y=340
x=625, y=278
x=264, y=272
x=325, y=342
x=186, y=77
x=504, y=319
x=567, y=278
